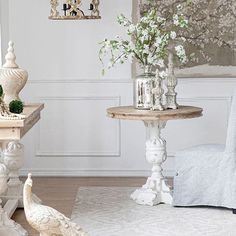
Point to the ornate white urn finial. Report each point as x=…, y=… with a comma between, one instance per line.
x=12, y=78
x=10, y=57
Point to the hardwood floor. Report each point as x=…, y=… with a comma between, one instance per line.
x=60, y=193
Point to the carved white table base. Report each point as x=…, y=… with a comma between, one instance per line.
x=13, y=157
x=11, y=160
x=9, y=227
x=13, y=154
x=155, y=191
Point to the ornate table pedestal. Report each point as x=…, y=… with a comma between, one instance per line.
x=155, y=191
x=11, y=197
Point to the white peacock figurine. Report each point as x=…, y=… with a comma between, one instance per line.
x=46, y=220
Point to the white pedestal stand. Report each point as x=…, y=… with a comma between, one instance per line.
x=155, y=191
x=9, y=227
x=12, y=199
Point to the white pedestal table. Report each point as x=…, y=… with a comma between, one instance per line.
x=11, y=132
x=155, y=191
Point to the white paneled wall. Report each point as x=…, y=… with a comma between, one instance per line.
x=74, y=136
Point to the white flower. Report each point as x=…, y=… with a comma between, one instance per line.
x=144, y=19
x=180, y=52
x=142, y=39
x=150, y=60
x=122, y=20
x=173, y=34
x=179, y=48
x=160, y=19
x=145, y=33
x=146, y=49
x=160, y=63
x=131, y=28
x=163, y=74
x=109, y=65
x=131, y=46
x=107, y=45
x=158, y=42
x=153, y=24
x=179, y=7
x=176, y=20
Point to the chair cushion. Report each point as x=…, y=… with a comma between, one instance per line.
x=209, y=154
x=205, y=175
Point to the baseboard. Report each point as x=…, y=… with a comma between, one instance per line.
x=92, y=173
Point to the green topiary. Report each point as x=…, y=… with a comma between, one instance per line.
x=16, y=106
x=1, y=91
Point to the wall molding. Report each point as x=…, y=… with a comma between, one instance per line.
x=80, y=81
x=78, y=154
x=75, y=98
x=86, y=172
x=206, y=98
x=75, y=80
x=92, y=173
x=118, y=99
x=115, y=153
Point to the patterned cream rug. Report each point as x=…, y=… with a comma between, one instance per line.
x=110, y=212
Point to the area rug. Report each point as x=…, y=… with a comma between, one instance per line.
x=103, y=211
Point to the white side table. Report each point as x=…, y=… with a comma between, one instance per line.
x=11, y=132
x=155, y=191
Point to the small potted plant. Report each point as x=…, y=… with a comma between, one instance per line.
x=16, y=106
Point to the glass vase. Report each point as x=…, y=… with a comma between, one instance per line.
x=143, y=87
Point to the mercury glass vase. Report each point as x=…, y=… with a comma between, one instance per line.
x=143, y=86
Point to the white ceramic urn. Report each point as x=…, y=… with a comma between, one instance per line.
x=12, y=78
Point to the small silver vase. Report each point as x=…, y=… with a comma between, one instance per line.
x=143, y=86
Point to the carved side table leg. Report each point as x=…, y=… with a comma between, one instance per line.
x=7, y=226
x=155, y=191
x=13, y=159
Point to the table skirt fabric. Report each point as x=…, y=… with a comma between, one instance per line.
x=205, y=176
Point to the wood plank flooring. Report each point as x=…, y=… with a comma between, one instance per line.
x=60, y=193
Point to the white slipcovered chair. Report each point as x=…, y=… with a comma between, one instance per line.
x=206, y=174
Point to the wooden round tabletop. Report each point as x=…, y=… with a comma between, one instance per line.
x=130, y=113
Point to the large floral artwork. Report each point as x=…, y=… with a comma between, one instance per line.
x=210, y=38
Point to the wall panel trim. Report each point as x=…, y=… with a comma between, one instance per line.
x=115, y=153
x=76, y=80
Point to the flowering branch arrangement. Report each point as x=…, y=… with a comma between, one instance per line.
x=149, y=41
